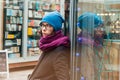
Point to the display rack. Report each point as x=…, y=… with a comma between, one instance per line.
x=21, y=25
x=112, y=10
x=115, y=29
x=36, y=10
x=13, y=25
x=34, y=17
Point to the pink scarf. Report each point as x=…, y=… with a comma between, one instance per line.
x=53, y=41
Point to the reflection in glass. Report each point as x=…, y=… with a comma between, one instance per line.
x=97, y=32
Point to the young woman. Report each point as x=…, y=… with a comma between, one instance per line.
x=90, y=44
x=55, y=59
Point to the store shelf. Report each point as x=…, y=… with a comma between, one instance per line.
x=13, y=25
x=36, y=10
x=21, y=23
x=35, y=18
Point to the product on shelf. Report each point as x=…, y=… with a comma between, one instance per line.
x=36, y=10
x=13, y=25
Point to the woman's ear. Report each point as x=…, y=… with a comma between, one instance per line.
x=53, y=32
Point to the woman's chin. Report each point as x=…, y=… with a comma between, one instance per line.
x=44, y=35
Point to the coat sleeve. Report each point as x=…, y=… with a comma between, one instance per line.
x=61, y=67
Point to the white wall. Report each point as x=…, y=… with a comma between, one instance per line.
x=1, y=24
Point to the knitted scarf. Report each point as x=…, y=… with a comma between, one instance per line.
x=53, y=41
x=87, y=39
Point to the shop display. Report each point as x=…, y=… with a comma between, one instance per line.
x=36, y=10
x=16, y=30
x=13, y=25
x=112, y=14
x=115, y=29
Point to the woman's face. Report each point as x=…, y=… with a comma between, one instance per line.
x=46, y=29
x=99, y=31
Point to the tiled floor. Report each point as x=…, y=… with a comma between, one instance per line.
x=19, y=75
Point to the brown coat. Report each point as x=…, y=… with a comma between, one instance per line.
x=53, y=65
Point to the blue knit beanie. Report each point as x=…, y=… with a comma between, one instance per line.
x=89, y=20
x=54, y=19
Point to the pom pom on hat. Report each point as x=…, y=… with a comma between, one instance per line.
x=89, y=19
x=54, y=19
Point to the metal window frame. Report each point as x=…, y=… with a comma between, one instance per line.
x=73, y=32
